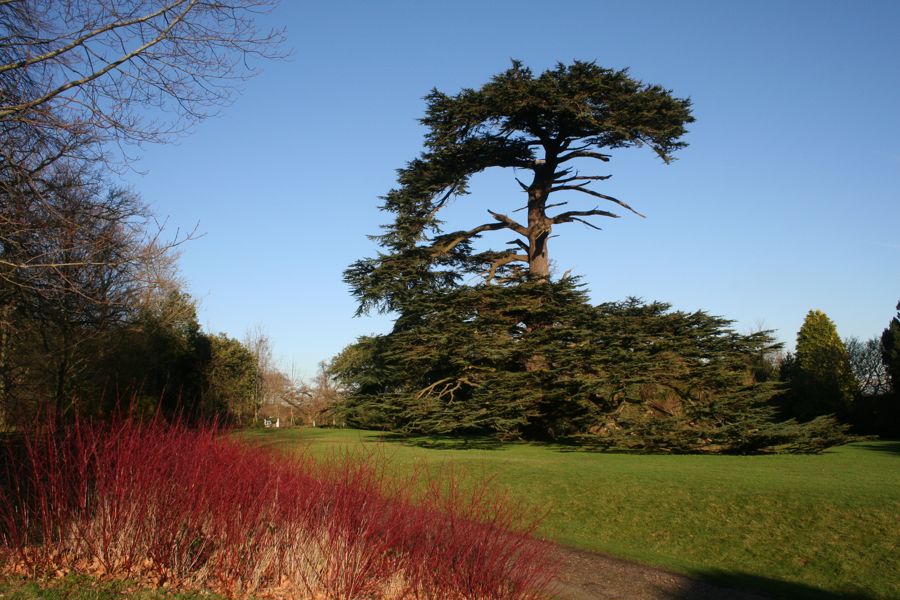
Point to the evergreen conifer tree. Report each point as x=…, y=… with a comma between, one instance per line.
x=823, y=382
x=890, y=350
x=519, y=354
x=567, y=118
x=626, y=375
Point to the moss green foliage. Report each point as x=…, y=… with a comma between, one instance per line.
x=538, y=361
x=789, y=526
x=154, y=357
x=821, y=377
x=231, y=379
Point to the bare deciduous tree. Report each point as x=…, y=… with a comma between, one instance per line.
x=81, y=77
x=868, y=368
x=91, y=68
x=89, y=240
x=81, y=82
x=257, y=342
x=309, y=402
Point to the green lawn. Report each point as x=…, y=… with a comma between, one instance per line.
x=823, y=526
x=74, y=587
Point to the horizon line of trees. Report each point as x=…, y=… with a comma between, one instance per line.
x=856, y=380
x=142, y=352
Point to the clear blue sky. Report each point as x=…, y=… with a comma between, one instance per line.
x=786, y=199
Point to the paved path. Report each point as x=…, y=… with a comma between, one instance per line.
x=591, y=576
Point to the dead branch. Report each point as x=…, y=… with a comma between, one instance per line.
x=577, y=177
x=519, y=243
x=455, y=239
x=510, y=223
x=573, y=215
x=583, y=190
x=504, y=260
x=583, y=154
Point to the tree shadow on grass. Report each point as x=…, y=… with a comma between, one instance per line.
x=886, y=446
x=473, y=442
x=441, y=442
x=762, y=587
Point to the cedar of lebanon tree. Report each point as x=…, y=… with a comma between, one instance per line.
x=569, y=116
x=531, y=358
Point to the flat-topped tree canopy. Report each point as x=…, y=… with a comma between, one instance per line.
x=543, y=124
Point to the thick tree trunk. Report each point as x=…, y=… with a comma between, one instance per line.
x=539, y=226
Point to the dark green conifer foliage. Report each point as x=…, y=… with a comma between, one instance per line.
x=625, y=375
x=890, y=350
x=520, y=355
x=550, y=125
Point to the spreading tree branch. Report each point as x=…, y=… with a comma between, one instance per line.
x=163, y=35
x=510, y=223
x=577, y=177
x=572, y=215
x=583, y=154
x=588, y=223
x=82, y=39
x=519, y=243
x=504, y=260
x=448, y=242
x=583, y=190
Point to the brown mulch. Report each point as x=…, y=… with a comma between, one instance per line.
x=592, y=576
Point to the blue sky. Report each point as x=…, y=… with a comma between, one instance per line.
x=786, y=199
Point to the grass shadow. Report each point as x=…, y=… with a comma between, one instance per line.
x=763, y=587
x=473, y=442
x=886, y=446
x=440, y=442
x=466, y=442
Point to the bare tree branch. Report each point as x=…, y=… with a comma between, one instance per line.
x=519, y=243
x=583, y=154
x=75, y=78
x=572, y=215
x=577, y=177
x=510, y=223
x=588, y=223
x=82, y=39
x=579, y=188
x=504, y=260
x=91, y=66
x=448, y=242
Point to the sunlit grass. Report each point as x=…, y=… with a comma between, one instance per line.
x=829, y=521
